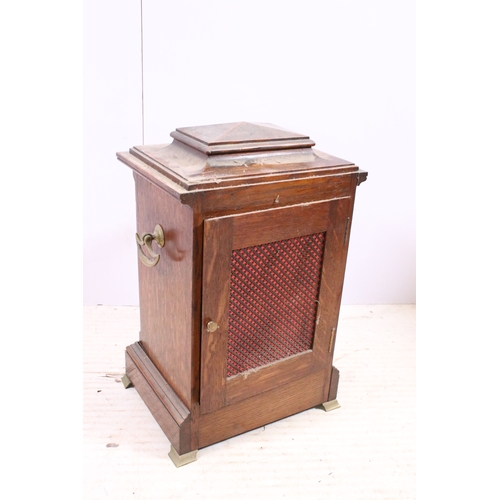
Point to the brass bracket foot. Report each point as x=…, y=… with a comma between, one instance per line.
x=126, y=381
x=180, y=460
x=331, y=405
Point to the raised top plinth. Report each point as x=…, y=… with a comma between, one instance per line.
x=240, y=137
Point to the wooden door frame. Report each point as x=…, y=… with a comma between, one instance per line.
x=224, y=234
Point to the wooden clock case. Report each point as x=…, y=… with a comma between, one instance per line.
x=242, y=235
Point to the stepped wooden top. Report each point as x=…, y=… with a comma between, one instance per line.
x=231, y=154
x=240, y=137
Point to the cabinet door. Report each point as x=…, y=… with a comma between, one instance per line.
x=272, y=283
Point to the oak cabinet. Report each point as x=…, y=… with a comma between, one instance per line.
x=242, y=237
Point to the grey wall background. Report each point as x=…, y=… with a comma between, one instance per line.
x=341, y=72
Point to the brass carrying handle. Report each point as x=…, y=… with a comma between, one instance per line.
x=146, y=239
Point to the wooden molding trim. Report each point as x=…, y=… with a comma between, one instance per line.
x=167, y=408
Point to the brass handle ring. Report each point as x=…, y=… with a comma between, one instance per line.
x=146, y=239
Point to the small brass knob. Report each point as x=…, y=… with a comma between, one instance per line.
x=212, y=326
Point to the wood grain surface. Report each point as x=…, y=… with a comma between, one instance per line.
x=216, y=190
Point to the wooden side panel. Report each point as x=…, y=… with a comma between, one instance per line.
x=215, y=304
x=166, y=289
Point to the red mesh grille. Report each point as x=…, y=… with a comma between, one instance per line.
x=273, y=301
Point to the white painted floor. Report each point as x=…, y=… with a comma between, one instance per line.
x=363, y=450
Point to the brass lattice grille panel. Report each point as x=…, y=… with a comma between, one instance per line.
x=273, y=301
